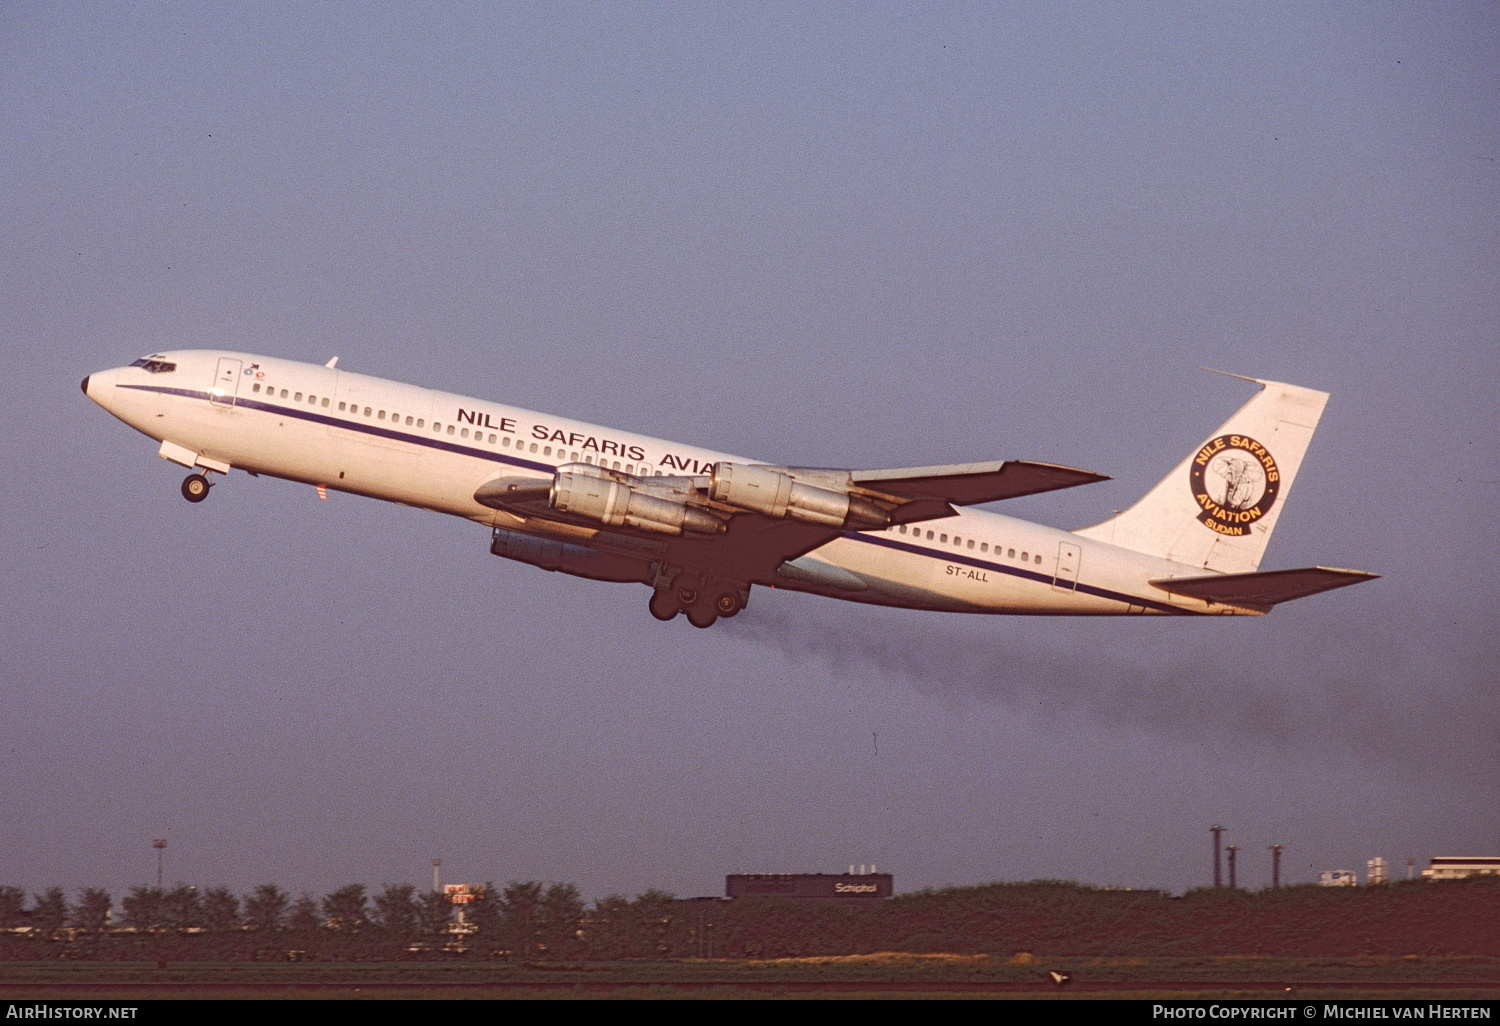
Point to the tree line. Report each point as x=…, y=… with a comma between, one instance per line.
x=534, y=921
x=526, y=919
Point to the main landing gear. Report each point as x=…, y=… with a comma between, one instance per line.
x=195, y=487
x=703, y=604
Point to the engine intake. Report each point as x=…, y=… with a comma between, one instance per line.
x=778, y=494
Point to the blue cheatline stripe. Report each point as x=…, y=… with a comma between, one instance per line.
x=547, y=468
x=369, y=429
x=1015, y=571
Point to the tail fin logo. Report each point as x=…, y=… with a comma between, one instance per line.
x=1234, y=481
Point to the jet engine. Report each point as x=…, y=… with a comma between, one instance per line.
x=583, y=491
x=578, y=560
x=777, y=493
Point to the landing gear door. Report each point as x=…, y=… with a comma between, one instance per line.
x=1069, y=556
x=226, y=382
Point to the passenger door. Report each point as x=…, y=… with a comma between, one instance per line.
x=226, y=384
x=1069, y=556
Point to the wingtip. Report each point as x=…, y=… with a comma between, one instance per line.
x=1363, y=575
x=1228, y=374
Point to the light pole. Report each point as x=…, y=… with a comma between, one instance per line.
x=1276, y=864
x=1216, y=830
x=1233, y=850
x=160, y=844
x=437, y=865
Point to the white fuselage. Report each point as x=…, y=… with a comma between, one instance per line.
x=402, y=443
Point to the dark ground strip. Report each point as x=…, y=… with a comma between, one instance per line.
x=15, y=990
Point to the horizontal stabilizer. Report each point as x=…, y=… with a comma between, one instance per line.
x=1264, y=589
x=966, y=484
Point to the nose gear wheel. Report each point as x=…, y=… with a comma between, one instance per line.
x=195, y=487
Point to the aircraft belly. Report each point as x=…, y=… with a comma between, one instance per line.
x=450, y=480
x=282, y=446
x=900, y=577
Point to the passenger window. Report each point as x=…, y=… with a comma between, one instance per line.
x=1011, y=554
x=1038, y=559
x=630, y=468
x=297, y=397
x=312, y=400
x=971, y=543
x=283, y=393
x=547, y=451
x=367, y=411
x=255, y=387
x=492, y=439
x=929, y=536
x=325, y=402
x=1025, y=558
x=575, y=457
x=380, y=415
x=984, y=546
x=450, y=429
x=588, y=457
x=419, y=422
x=533, y=447
x=943, y=538
x=408, y=422
x=902, y=529
x=341, y=407
x=617, y=464
x=505, y=441
x=464, y=433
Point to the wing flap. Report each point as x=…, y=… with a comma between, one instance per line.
x=965, y=484
x=1267, y=588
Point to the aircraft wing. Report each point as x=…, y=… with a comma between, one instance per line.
x=751, y=545
x=965, y=484
x=750, y=548
x=1267, y=588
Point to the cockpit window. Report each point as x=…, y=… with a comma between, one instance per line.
x=155, y=365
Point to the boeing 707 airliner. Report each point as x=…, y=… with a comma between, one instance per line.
x=701, y=528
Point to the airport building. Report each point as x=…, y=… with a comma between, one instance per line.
x=1459, y=867
x=852, y=887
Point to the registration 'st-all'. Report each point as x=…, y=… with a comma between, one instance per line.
x=701, y=529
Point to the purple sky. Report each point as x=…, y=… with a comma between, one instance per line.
x=830, y=234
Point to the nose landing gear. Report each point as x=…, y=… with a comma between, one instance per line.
x=195, y=487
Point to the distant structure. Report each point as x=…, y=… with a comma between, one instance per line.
x=851, y=887
x=461, y=895
x=1338, y=878
x=1276, y=850
x=1216, y=830
x=1375, y=871
x=1233, y=850
x=437, y=881
x=160, y=844
x=1459, y=867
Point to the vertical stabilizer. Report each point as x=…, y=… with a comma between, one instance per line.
x=1217, y=509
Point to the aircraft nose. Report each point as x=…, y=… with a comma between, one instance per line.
x=85, y=386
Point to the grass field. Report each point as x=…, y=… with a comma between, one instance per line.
x=890, y=975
